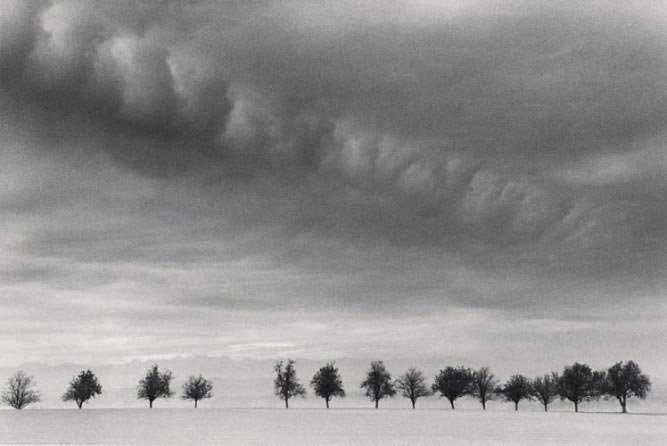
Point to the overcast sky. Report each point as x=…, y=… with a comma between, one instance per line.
x=479, y=181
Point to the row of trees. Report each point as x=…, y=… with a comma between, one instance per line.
x=577, y=383
x=20, y=388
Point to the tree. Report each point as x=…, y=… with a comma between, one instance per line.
x=579, y=383
x=327, y=383
x=82, y=388
x=378, y=383
x=625, y=381
x=197, y=388
x=155, y=385
x=483, y=385
x=517, y=388
x=412, y=385
x=453, y=383
x=286, y=384
x=19, y=391
x=545, y=389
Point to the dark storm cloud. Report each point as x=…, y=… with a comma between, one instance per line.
x=260, y=155
x=110, y=68
x=516, y=83
x=417, y=106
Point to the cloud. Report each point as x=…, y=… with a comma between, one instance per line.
x=643, y=163
x=252, y=156
x=447, y=124
x=518, y=85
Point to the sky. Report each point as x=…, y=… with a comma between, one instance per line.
x=480, y=181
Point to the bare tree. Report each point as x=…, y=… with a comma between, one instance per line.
x=579, y=383
x=453, y=383
x=327, y=383
x=624, y=381
x=19, y=391
x=483, y=385
x=545, y=389
x=286, y=384
x=155, y=385
x=82, y=388
x=517, y=388
x=378, y=383
x=197, y=388
x=412, y=385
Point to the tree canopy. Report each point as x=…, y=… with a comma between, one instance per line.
x=412, y=385
x=517, y=388
x=327, y=383
x=545, y=389
x=286, y=384
x=579, y=383
x=624, y=381
x=155, y=385
x=378, y=383
x=453, y=383
x=197, y=388
x=20, y=391
x=82, y=388
x=483, y=385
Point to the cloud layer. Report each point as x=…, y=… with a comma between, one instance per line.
x=257, y=156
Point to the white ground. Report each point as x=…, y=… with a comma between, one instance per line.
x=333, y=427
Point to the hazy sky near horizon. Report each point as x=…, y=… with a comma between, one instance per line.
x=474, y=180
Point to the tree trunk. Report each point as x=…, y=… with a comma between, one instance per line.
x=545, y=407
x=286, y=403
x=150, y=404
x=79, y=403
x=195, y=404
x=376, y=403
x=576, y=406
x=516, y=406
x=483, y=405
x=327, y=401
x=413, y=403
x=452, y=403
x=623, y=408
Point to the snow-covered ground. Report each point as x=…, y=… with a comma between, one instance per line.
x=332, y=427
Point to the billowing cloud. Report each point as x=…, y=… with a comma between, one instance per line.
x=424, y=156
